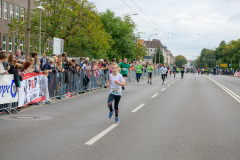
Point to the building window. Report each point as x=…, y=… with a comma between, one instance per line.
x=21, y=44
x=17, y=12
x=0, y=8
x=151, y=50
x=4, y=42
x=11, y=11
x=10, y=44
x=22, y=13
x=16, y=43
x=5, y=9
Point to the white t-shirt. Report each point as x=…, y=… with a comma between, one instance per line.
x=164, y=70
x=116, y=89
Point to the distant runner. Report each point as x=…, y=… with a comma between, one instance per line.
x=138, y=68
x=150, y=69
x=125, y=70
x=174, y=70
x=182, y=71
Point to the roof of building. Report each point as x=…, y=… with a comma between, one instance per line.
x=155, y=43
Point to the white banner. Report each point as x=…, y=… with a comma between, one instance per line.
x=30, y=90
x=8, y=92
x=57, y=46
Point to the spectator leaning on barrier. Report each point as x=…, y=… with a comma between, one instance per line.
x=26, y=65
x=53, y=65
x=64, y=57
x=47, y=65
x=36, y=63
x=5, y=64
x=85, y=68
x=45, y=87
x=43, y=61
x=17, y=74
x=11, y=61
x=3, y=58
x=19, y=57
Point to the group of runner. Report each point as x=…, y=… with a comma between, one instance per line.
x=117, y=81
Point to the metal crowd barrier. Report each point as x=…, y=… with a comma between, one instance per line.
x=9, y=107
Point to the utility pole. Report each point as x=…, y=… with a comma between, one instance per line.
x=28, y=29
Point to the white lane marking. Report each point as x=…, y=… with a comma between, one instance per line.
x=175, y=80
x=154, y=95
x=100, y=135
x=231, y=93
x=163, y=89
x=136, y=109
x=172, y=82
x=168, y=85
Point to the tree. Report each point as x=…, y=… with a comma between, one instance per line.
x=180, y=60
x=77, y=23
x=158, y=52
x=225, y=53
x=122, y=34
x=141, y=51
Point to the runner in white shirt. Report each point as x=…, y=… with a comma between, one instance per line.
x=163, y=72
x=116, y=82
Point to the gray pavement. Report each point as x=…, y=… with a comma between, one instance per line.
x=192, y=119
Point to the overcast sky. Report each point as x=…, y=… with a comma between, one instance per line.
x=188, y=25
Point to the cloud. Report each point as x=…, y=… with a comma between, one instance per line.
x=193, y=25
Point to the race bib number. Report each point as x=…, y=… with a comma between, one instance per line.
x=138, y=69
x=124, y=69
x=115, y=91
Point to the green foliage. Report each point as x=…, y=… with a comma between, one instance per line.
x=78, y=24
x=158, y=52
x=224, y=53
x=121, y=31
x=180, y=60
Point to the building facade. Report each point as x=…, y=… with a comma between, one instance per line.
x=10, y=9
x=152, y=46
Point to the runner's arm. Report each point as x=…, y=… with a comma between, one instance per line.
x=121, y=84
x=108, y=83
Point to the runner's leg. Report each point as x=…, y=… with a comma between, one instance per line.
x=116, y=102
x=110, y=101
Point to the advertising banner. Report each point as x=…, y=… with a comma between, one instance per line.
x=237, y=74
x=31, y=89
x=8, y=92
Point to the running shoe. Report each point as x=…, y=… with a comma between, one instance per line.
x=123, y=87
x=48, y=102
x=150, y=82
x=111, y=114
x=116, y=120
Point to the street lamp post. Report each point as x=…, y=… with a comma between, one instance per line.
x=41, y=8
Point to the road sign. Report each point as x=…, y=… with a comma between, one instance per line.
x=57, y=45
x=147, y=57
x=223, y=65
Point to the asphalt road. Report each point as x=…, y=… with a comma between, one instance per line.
x=191, y=119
